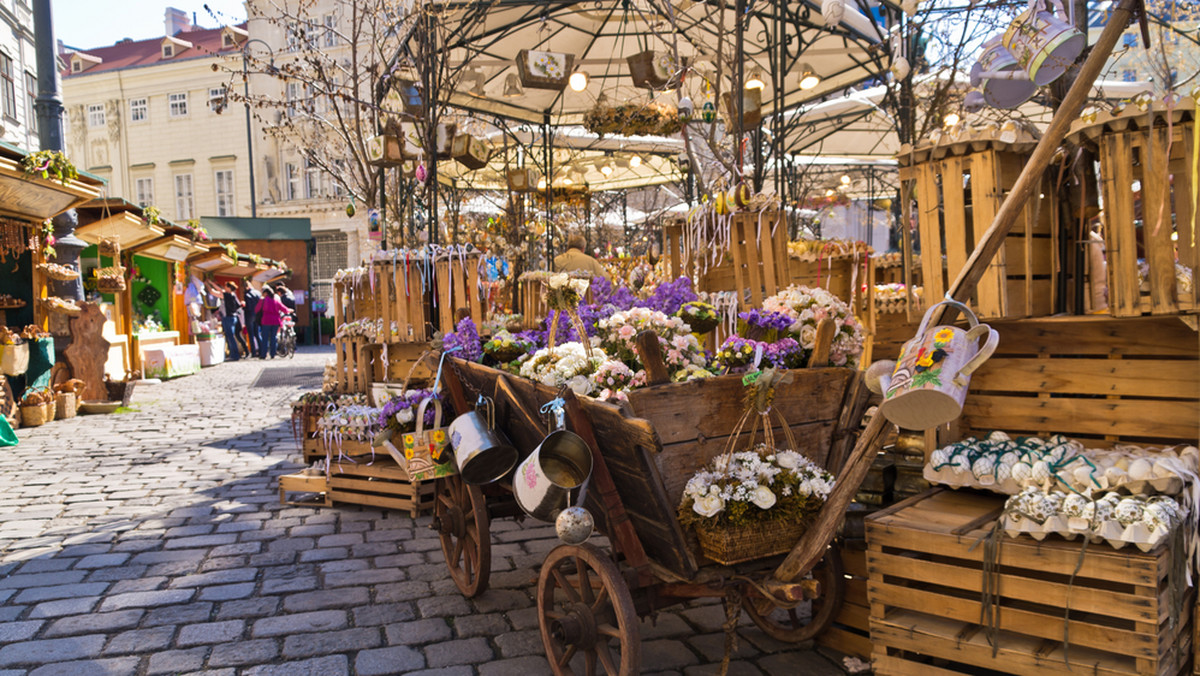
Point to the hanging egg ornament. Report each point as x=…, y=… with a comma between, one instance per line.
x=686, y=108
x=422, y=173
x=350, y=210
x=741, y=195
x=708, y=112
x=832, y=12
x=720, y=203
x=373, y=219
x=901, y=68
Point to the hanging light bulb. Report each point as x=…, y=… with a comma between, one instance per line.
x=512, y=86
x=479, y=78
x=951, y=119
x=635, y=161
x=607, y=168
x=567, y=180
x=808, y=77
x=755, y=81
x=542, y=183
x=845, y=179
x=578, y=80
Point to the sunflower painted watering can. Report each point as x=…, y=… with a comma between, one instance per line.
x=926, y=387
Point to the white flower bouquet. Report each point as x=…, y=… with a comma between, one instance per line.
x=751, y=504
x=565, y=364
x=681, y=351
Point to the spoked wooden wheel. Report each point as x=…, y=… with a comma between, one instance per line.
x=589, y=625
x=805, y=621
x=460, y=517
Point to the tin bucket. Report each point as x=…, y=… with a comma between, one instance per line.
x=482, y=452
x=544, y=481
x=1001, y=92
x=1044, y=45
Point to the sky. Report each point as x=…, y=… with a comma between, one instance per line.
x=99, y=23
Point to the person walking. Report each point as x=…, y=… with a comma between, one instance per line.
x=231, y=304
x=251, y=298
x=270, y=317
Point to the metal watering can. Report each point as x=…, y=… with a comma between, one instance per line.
x=1043, y=44
x=543, y=481
x=482, y=452
x=927, y=386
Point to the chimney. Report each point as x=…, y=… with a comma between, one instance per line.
x=177, y=21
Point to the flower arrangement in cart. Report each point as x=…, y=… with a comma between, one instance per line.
x=784, y=332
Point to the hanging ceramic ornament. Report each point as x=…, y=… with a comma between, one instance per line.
x=832, y=12
x=373, y=219
x=900, y=68
x=708, y=112
x=421, y=173
x=350, y=208
x=686, y=108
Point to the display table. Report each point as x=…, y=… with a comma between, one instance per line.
x=212, y=349
x=170, y=361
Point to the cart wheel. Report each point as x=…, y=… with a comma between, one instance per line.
x=793, y=624
x=586, y=614
x=460, y=517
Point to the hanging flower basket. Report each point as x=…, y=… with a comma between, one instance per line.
x=655, y=70
x=544, y=70
x=630, y=119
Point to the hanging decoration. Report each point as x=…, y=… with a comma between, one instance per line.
x=350, y=210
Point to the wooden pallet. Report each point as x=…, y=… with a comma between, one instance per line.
x=382, y=483
x=850, y=632
x=925, y=560
x=1156, y=224
x=957, y=198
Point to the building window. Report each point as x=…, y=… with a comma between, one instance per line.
x=217, y=98
x=331, y=36
x=293, y=99
x=227, y=40
x=76, y=66
x=95, y=115
x=10, y=86
x=339, y=190
x=30, y=98
x=168, y=51
x=330, y=256
x=184, y=203
x=293, y=181
x=312, y=180
x=178, y=104
x=293, y=37
x=139, y=110
x=224, y=180
x=145, y=191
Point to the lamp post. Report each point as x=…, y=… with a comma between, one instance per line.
x=246, y=96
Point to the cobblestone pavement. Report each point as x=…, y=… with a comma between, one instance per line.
x=153, y=542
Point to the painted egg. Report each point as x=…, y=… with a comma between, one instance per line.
x=1156, y=518
x=983, y=466
x=1074, y=504
x=1004, y=471
x=1128, y=511
x=998, y=436
x=1021, y=472
x=1040, y=472
x=741, y=195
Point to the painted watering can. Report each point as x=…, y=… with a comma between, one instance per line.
x=1043, y=44
x=543, y=481
x=927, y=386
x=1000, y=76
x=482, y=452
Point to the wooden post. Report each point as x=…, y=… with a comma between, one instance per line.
x=1031, y=174
x=652, y=358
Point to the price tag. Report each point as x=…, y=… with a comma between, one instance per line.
x=750, y=378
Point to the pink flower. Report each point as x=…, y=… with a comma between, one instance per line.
x=626, y=332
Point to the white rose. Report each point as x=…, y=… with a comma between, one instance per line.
x=558, y=280
x=788, y=459
x=763, y=497
x=580, y=385
x=404, y=416
x=808, y=336
x=708, y=505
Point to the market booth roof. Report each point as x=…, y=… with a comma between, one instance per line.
x=171, y=248
x=213, y=259
x=33, y=198
x=484, y=41
x=257, y=228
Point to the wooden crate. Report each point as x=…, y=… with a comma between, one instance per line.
x=958, y=196
x=382, y=483
x=925, y=561
x=1099, y=379
x=1155, y=223
x=849, y=634
x=753, y=260
x=352, y=364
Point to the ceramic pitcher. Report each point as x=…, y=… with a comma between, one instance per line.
x=928, y=384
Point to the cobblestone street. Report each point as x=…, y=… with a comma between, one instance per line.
x=153, y=542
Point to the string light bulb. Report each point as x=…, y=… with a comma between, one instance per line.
x=578, y=81
x=635, y=161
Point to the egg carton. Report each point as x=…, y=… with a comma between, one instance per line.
x=953, y=478
x=1111, y=531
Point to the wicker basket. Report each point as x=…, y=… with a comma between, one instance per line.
x=110, y=284
x=51, y=410
x=110, y=246
x=701, y=326
x=730, y=545
x=65, y=404
x=57, y=273
x=33, y=416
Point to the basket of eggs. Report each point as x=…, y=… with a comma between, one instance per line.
x=37, y=407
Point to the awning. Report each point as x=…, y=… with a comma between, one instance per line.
x=31, y=198
x=269, y=275
x=211, y=260
x=129, y=229
x=171, y=248
x=257, y=228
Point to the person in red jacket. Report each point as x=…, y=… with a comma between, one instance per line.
x=270, y=317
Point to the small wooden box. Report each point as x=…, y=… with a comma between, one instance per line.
x=544, y=70
x=469, y=151
x=384, y=151
x=751, y=107
x=654, y=70
x=523, y=180
x=304, y=483
x=925, y=561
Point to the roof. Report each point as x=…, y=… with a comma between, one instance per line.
x=138, y=53
x=257, y=228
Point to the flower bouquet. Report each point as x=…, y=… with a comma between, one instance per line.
x=633, y=119
x=566, y=364
x=807, y=307
x=504, y=347
x=701, y=316
x=681, y=350
x=752, y=504
x=398, y=414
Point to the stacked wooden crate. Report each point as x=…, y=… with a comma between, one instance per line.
x=959, y=189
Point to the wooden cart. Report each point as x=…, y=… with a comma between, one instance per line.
x=589, y=598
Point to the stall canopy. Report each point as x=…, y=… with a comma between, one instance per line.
x=485, y=38
x=257, y=228
x=33, y=198
x=114, y=217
